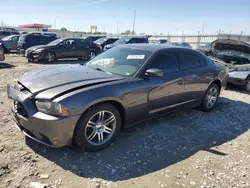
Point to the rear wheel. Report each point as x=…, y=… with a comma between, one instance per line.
x=91, y=55
x=49, y=57
x=247, y=84
x=98, y=127
x=211, y=97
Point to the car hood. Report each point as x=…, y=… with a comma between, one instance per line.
x=69, y=76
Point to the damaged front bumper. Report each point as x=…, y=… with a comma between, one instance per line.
x=43, y=128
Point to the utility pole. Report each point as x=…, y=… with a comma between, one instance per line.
x=117, y=28
x=133, y=31
x=203, y=25
x=55, y=23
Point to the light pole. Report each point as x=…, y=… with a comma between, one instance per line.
x=133, y=31
x=117, y=28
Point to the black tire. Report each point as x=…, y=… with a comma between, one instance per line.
x=80, y=136
x=49, y=57
x=204, y=104
x=247, y=84
x=91, y=55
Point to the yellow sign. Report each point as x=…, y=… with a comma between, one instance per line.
x=93, y=27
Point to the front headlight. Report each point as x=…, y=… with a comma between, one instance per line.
x=51, y=108
x=38, y=50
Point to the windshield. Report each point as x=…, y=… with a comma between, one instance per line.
x=123, y=40
x=100, y=40
x=7, y=38
x=55, y=42
x=121, y=61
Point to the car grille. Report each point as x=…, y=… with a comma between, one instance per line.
x=19, y=108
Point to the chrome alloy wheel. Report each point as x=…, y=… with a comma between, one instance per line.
x=211, y=98
x=100, y=128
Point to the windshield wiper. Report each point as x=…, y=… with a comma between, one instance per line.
x=100, y=69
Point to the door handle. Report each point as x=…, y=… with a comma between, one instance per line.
x=209, y=74
x=73, y=48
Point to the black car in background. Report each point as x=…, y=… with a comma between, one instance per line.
x=63, y=48
x=7, y=33
x=127, y=40
x=105, y=41
x=10, y=43
x=33, y=39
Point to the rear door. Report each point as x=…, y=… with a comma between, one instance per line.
x=67, y=49
x=12, y=43
x=168, y=93
x=83, y=47
x=198, y=74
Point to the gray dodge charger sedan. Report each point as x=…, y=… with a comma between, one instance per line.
x=89, y=104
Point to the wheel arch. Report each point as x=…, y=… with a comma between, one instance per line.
x=115, y=103
x=217, y=82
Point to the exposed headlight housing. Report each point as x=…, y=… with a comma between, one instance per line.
x=38, y=50
x=51, y=108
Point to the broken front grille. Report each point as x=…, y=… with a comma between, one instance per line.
x=19, y=108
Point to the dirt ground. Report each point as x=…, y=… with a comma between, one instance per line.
x=186, y=149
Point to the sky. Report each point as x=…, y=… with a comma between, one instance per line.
x=152, y=16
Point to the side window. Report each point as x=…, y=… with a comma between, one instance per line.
x=141, y=40
x=133, y=40
x=190, y=61
x=167, y=62
x=14, y=39
x=31, y=39
x=70, y=42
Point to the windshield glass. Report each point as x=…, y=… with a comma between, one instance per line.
x=7, y=38
x=100, y=40
x=55, y=42
x=121, y=61
x=123, y=40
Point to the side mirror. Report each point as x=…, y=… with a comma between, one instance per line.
x=154, y=73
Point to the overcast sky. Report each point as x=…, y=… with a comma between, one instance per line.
x=161, y=16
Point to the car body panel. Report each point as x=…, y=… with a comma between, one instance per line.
x=79, y=87
x=11, y=43
x=2, y=56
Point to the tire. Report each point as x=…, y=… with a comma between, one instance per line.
x=88, y=135
x=207, y=106
x=49, y=57
x=247, y=84
x=91, y=55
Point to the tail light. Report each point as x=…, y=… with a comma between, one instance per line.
x=1, y=46
x=99, y=46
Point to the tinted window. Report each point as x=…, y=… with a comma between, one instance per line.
x=167, y=62
x=133, y=40
x=141, y=40
x=46, y=40
x=5, y=33
x=190, y=61
x=33, y=40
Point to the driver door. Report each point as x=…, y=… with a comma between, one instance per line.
x=168, y=90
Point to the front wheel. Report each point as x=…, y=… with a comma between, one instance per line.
x=98, y=127
x=211, y=97
x=49, y=57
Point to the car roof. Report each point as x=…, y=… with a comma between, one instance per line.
x=152, y=47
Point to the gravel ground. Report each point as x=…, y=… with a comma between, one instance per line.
x=186, y=149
